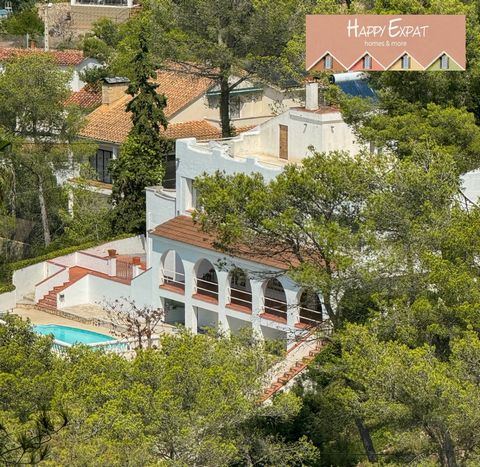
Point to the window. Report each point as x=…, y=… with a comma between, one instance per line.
x=191, y=201
x=328, y=62
x=367, y=62
x=100, y=164
x=405, y=62
x=444, y=62
x=235, y=107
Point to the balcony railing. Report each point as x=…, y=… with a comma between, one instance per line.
x=102, y=2
x=173, y=278
x=276, y=308
x=124, y=270
x=241, y=297
x=206, y=288
x=310, y=316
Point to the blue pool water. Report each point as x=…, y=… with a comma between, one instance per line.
x=71, y=335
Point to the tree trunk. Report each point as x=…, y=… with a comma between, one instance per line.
x=366, y=440
x=13, y=199
x=225, y=103
x=43, y=212
x=447, y=452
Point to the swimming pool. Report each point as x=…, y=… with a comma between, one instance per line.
x=71, y=335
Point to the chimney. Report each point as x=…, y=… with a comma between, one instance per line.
x=311, y=95
x=113, y=89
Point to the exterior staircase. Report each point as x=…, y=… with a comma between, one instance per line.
x=296, y=366
x=49, y=301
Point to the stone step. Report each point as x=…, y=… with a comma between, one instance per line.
x=44, y=306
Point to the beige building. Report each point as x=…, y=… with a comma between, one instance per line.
x=192, y=110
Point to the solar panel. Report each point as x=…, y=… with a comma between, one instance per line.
x=357, y=88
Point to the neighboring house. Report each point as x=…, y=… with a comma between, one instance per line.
x=88, y=98
x=84, y=13
x=71, y=60
x=192, y=110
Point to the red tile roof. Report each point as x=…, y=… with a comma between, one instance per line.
x=199, y=129
x=183, y=229
x=86, y=98
x=111, y=123
x=61, y=57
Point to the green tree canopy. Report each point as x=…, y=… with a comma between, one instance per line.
x=141, y=162
x=33, y=90
x=227, y=41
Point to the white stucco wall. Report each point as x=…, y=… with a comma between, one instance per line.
x=325, y=132
x=126, y=246
x=76, y=294
x=161, y=206
x=194, y=160
x=7, y=301
x=76, y=83
x=25, y=279
x=141, y=289
x=471, y=185
x=102, y=290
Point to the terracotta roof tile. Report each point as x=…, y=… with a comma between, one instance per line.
x=183, y=229
x=86, y=98
x=111, y=123
x=61, y=57
x=199, y=129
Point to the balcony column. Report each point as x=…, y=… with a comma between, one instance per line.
x=293, y=312
x=223, y=285
x=258, y=301
x=191, y=321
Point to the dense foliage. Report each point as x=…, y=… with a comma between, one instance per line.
x=41, y=131
x=141, y=162
x=192, y=402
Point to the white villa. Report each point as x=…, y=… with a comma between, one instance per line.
x=175, y=266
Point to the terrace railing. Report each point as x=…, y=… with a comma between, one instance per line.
x=120, y=346
x=240, y=297
x=174, y=278
x=124, y=270
x=206, y=288
x=275, y=307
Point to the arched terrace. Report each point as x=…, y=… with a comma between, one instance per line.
x=240, y=291
x=275, y=301
x=206, y=282
x=172, y=273
x=310, y=308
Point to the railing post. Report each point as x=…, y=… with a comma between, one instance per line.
x=223, y=298
x=257, y=306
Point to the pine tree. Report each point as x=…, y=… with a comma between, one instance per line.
x=142, y=156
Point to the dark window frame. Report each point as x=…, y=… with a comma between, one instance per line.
x=103, y=175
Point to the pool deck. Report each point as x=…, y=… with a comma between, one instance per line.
x=90, y=312
x=40, y=317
